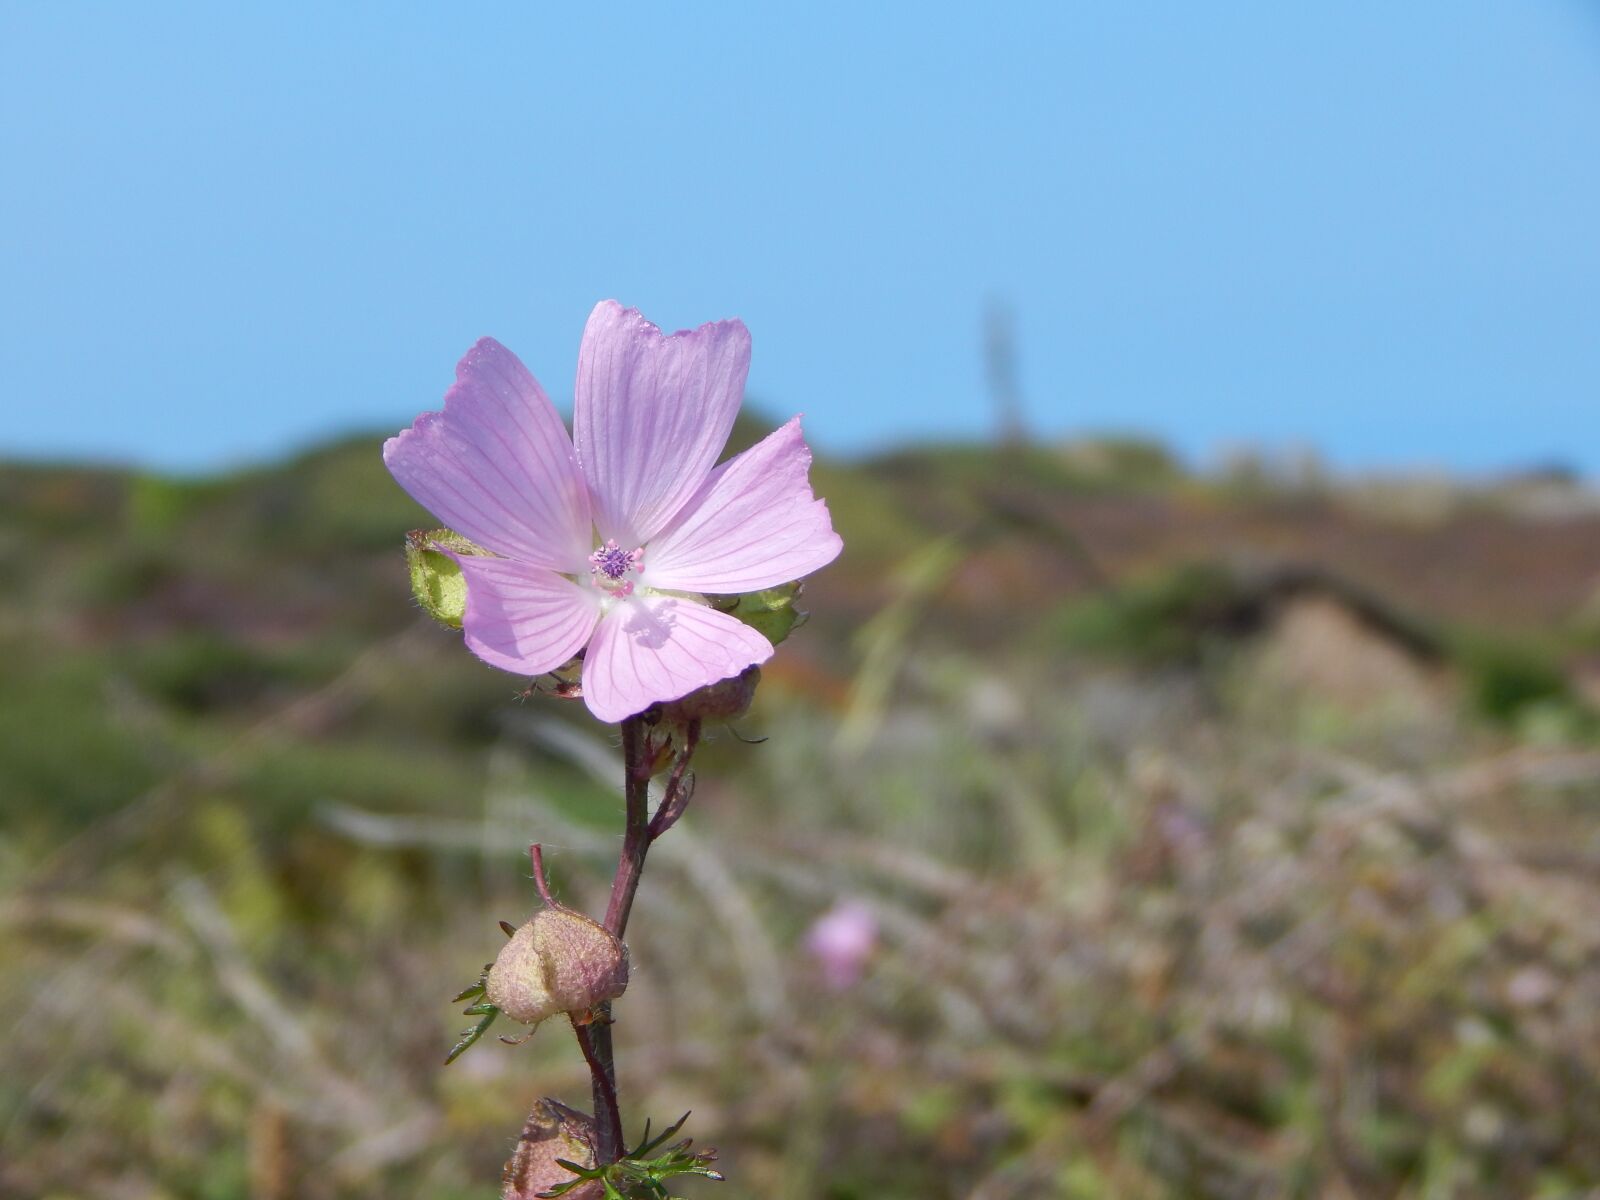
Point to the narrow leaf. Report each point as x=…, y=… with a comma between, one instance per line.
x=469, y=1036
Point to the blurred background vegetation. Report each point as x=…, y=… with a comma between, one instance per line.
x=1227, y=835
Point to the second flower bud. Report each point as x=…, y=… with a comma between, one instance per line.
x=560, y=961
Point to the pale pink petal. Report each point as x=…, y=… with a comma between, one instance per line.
x=654, y=648
x=524, y=619
x=754, y=524
x=652, y=414
x=497, y=466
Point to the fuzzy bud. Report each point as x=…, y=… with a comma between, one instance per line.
x=559, y=962
x=436, y=579
x=726, y=700
x=770, y=612
x=553, y=1131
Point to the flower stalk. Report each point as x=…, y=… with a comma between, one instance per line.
x=639, y=832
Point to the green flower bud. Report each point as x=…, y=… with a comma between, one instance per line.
x=559, y=962
x=436, y=580
x=553, y=1131
x=770, y=612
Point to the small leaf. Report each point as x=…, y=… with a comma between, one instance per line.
x=648, y=1145
x=561, y=1189
x=471, y=1035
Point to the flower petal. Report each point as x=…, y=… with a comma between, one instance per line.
x=754, y=524
x=522, y=618
x=496, y=465
x=655, y=648
x=651, y=414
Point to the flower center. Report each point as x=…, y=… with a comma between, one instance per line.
x=610, y=565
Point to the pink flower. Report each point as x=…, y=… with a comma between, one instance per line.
x=610, y=545
x=841, y=941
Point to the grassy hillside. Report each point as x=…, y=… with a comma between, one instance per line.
x=1229, y=836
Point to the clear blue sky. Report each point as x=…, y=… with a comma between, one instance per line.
x=227, y=230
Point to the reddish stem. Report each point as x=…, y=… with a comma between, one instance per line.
x=536, y=857
x=636, y=763
x=608, y=1115
x=635, y=844
x=638, y=759
x=680, y=785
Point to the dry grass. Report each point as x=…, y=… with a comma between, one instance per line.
x=1138, y=940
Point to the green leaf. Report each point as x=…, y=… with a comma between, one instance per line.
x=649, y=1145
x=472, y=1034
x=468, y=993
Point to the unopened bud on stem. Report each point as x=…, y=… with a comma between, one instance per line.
x=436, y=580
x=559, y=962
x=726, y=700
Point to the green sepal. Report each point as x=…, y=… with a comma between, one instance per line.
x=770, y=612
x=635, y=1176
x=481, y=1008
x=473, y=1032
x=436, y=580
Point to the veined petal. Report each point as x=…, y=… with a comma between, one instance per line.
x=651, y=414
x=653, y=648
x=754, y=524
x=523, y=618
x=497, y=465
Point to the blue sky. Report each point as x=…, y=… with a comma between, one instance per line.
x=1370, y=227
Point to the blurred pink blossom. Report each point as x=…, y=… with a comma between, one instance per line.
x=841, y=941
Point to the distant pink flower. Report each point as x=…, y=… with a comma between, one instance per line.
x=841, y=941
x=599, y=543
